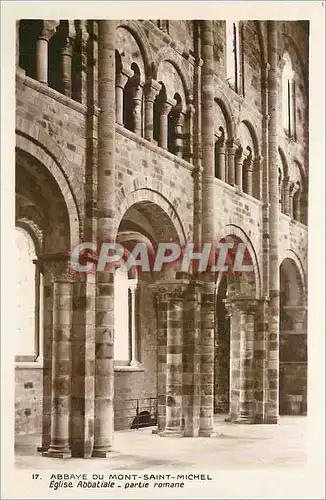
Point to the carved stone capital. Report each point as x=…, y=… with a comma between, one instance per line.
x=171, y=290
x=58, y=266
x=121, y=80
x=151, y=89
x=48, y=29
x=242, y=306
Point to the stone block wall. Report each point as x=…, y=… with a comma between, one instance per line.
x=28, y=399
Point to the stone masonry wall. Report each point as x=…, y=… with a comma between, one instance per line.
x=28, y=399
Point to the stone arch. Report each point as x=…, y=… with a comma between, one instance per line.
x=130, y=52
x=285, y=165
x=137, y=31
x=150, y=195
x=169, y=55
x=252, y=131
x=291, y=255
x=33, y=230
x=221, y=100
x=300, y=167
x=293, y=336
x=233, y=230
x=53, y=159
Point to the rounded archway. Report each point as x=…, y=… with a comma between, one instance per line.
x=140, y=346
x=236, y=284
x=44, y=234
x=293, y=340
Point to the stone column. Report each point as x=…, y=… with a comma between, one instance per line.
x=164, y=112
x=208, y=230
x=235, y=330
x=207, y=358
x=286, y=196
x=247, y=339
x=61, y=370
x=188, y=136
x=66, y=59
x=297, y=205
x=247, y=165
x=133, y=295
x=191, y=360
x=178, y=131
x=174, y=367
x=257, y=177
x=291, y=196
x=39, y=310
x=151, y=89
x=137, y=93
x=161, y=307
x=42, y=48
x=104, y=344
x=47, y=360
x=120, y=82
x=230, y=161
x=240, y=158
x=221, y=152
x=274, y=285
x=81, y=71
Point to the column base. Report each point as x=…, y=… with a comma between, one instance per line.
x=171, y=433
x=271, y=420
x=42, y=449
x=51, y=453
x=243, y=419
x=205, y=433
x=104, y=454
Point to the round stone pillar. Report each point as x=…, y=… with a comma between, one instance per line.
x=61, y=370
x=286, y=195
x=274, y=214
x=151, y=90
x=42, y=48
x=164, y=112
x=221, y=156
x=104, y=339
x=178, y=132
x=248, y=171
x=120, y=83
x=207, y=334
x=247, y=340
x=137, y=94
x=174, y=366
x=230, y=162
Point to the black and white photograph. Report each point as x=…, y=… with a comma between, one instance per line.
x=164, y=313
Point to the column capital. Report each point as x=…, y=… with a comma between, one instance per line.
x=151, y=88
x=58, y=265
x=190, y=110
x=231, y=147
x=82, y=33
x=242, y=305
x=242, y=154
x=167, y=105
x=171, y=290
x=258, y=159
x=122, y=78
x=48, y=29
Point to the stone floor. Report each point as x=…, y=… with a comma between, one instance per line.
x=234, y=447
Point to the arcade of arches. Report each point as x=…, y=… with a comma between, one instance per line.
x=143, y=143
